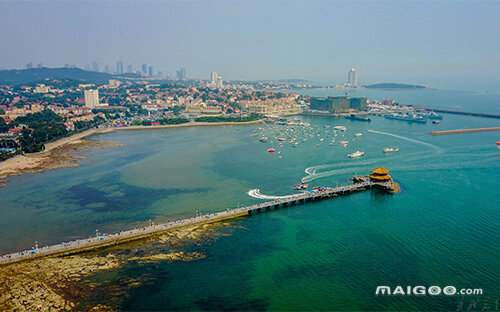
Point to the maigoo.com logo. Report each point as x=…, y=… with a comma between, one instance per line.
x=423, y=291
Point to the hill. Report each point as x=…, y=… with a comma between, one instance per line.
x=21, y=76
x=393, y=85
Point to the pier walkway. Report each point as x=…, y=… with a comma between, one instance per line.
x=108, y=240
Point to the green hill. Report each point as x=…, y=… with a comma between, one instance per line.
x=21, y=76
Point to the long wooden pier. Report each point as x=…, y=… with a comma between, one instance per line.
x=108, y=240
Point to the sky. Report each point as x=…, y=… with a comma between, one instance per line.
x=439, y=44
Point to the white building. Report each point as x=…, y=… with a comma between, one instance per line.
x=91, y=98
x=215, y=80
x=352, y=78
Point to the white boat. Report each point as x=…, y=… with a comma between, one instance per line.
x=391, y=150
x=343, y=145
x=341, y=128
x=356, y=154
x=358, y=134
x=344, y=142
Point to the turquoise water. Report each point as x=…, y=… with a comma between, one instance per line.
x=442, y=229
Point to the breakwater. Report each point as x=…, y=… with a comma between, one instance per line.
x=459, y=131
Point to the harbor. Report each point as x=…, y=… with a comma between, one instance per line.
x=379, y=179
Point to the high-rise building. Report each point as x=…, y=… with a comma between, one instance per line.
x=219, y=82
x=352, y=78
x=181, y=73
x=95, y=66
x=160, y=74
x=119, y=67
x=150, y=71
x=129, y=68
x=91, y=98
x=87, y=67
x=144, y=68
x=213, y=78
x=107, y=69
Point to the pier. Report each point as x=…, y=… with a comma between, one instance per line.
x=459, y=131
x=446, y=111
x=360, y=183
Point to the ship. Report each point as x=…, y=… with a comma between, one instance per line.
x=407, y=117
x=341, y=128
x=356, y=154
x=391, y=150
x=358, y=118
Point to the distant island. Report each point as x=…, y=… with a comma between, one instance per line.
x=393, y=85
x=21, y=76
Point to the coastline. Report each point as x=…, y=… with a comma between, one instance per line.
x=62, y=148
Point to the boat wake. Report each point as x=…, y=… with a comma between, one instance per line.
x=405, y=138
x=255, y=193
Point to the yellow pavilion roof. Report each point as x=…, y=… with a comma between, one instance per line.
x=380, y=170
x=380, y=177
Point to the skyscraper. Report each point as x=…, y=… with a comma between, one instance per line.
x=95, y=66
x=181, y=73
x=119, y=67
x=150, y=71
x=352, y=78
x=215, y=80
x=107, y=70
x=91, y=98
x=129, y=68
x=144, y=68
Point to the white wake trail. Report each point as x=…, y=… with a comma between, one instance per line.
x=405, y=138
x=256, y=194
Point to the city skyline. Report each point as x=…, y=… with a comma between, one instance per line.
x=452, y=44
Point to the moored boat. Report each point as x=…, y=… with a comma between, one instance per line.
x=356, y=154
x=391, y=150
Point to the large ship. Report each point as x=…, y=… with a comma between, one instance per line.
x=354, y=117
x=407, y=117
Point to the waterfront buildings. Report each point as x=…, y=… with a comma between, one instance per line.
x=144, y=69
x=91, y=98
x=338, y=104
x=150, y=71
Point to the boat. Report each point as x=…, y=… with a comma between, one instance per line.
x=434, y=116
x=354, y=117
x=356, y=154
x=343, y=142
x=271, y=150
x=498, y=145
x=341, y=128
x=302, y=186
x=255, y=134
x=317, y=145
x=435, y=122
x=281, y=139
x=406, y=117
x=343, y=145
x=391, y=150
x=264, y=139
x=358, y=134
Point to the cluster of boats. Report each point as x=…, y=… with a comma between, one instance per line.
x=419, y=117
x=299, y=132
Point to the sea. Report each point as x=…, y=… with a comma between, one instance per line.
x=441, y=230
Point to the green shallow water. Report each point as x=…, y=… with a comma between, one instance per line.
x=442, y=229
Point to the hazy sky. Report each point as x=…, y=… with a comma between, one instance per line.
x=432, y=43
